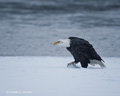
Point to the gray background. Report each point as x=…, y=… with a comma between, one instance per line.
x=29, y=27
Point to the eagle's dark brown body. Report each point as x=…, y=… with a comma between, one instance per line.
x=82, y=51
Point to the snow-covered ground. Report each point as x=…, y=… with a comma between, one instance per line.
x=49, y=76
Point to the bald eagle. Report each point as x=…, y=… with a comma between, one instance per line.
x=82, y=52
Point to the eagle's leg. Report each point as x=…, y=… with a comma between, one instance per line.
x=84, y=64
x=72, y=63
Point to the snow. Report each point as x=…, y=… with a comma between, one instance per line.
x=49, y=76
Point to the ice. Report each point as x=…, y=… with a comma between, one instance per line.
x=49, y=76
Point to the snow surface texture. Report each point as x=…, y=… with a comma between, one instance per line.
x=49, y=76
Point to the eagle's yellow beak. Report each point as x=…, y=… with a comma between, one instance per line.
x=55, y=43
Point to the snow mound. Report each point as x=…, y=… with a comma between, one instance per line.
x=49, y=76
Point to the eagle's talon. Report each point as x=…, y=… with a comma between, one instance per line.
x=72, y=63
x=69, y=64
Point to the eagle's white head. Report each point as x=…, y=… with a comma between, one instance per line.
x=63, y=42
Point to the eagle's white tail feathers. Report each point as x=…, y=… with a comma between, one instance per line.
x=93, y=62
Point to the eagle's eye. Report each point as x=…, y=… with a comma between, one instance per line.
x=60, y=42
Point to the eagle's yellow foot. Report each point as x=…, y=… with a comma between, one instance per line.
x=71, y=63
